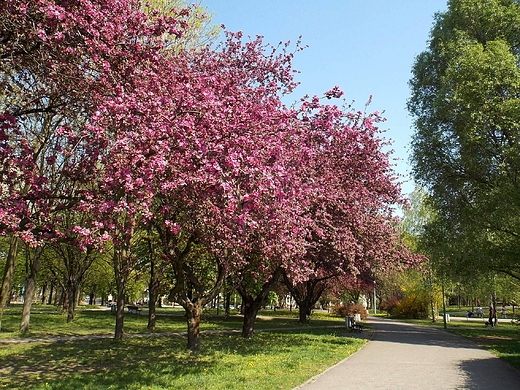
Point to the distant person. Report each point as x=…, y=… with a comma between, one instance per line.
x=469, y=314
x=479, y=312
x=504, y=312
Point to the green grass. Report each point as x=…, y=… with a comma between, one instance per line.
x=275, y=359
x=46, y=321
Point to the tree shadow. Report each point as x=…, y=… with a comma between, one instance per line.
x=400, y=332
x=485, y=373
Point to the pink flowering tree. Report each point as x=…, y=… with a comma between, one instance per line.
x=75, y=72
x=222, y=181
x=196, y=145
x=38, y=100
x=352, y=192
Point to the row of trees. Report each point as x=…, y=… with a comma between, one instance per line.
x=118, y=137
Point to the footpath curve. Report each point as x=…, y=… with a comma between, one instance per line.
x=407, y=356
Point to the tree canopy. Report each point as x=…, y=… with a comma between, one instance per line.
x=465, y=150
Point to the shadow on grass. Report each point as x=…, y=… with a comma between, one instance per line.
x=156, y=362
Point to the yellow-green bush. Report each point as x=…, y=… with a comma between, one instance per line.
x=411, y=306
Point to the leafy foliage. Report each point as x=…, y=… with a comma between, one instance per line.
x=465, y=153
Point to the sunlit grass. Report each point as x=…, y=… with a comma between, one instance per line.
x=47, y=321
x=281, y=358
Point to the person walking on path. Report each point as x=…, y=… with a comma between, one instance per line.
x=408, y=356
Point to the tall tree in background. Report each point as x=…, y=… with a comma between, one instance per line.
x=200, y=30
x=465, y=151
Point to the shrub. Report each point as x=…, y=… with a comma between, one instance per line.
x=349, y=310
x=411, y=306
x=390, y=304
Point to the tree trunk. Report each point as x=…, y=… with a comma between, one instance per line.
x=252, y=304
x=58, y=297
x=120, y=312
x=30, y=286
x=227, y=304
x=305, y=310
x=71, y=294
x=193, y=314
x=432, y=299
x=152, y=317
x=49, y=299
x=153, y=294
x=44, y=291
x=7, y=280
x=92, y=296
x=251, y=307
x=121, y=262
x=306, y=294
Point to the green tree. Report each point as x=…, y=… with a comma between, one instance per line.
x=201, y=30
x=99, y=279
x=415, y=220
x=465, y=102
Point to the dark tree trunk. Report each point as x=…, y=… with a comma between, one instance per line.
x=121, y=269
x=49, y=299
x=58, y=297
x=120, y=309
x=44, y=290
x=72, y=288
x=306, y=294
x=251, y=308
x=92, y=297
x=194, y=299
x=252, y=304
x=305, y=311
x=227, y=304
x=7, y=280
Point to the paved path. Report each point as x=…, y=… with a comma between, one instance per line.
x=406, y=356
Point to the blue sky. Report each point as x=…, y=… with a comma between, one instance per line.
x=367, y=47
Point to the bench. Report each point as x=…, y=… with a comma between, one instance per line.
x=353, y=325
x=134, y=309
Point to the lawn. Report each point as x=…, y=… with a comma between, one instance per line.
x=46, y=321
x=274, y=359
